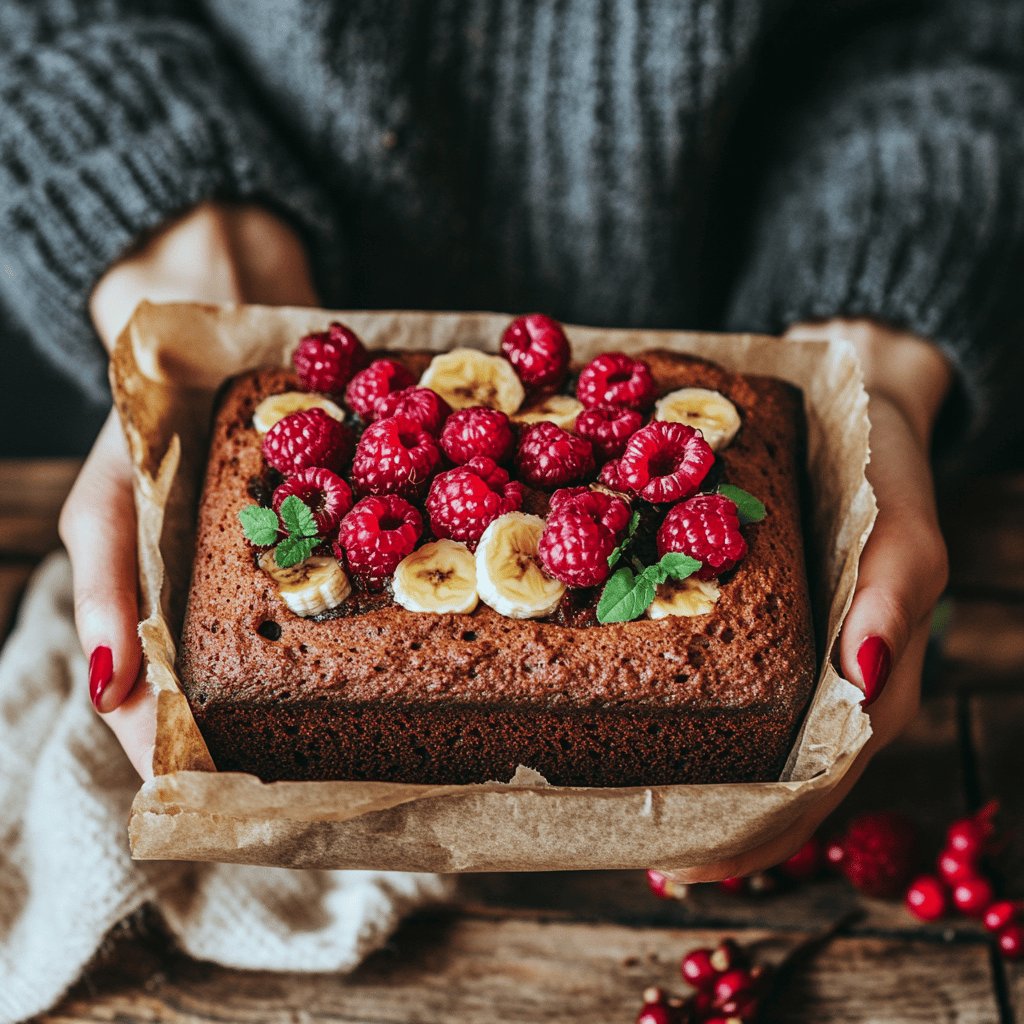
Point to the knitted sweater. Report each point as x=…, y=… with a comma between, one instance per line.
x=736, y=164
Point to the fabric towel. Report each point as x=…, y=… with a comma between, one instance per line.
x=66, y=877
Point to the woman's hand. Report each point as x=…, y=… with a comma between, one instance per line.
x=903, y=568
x=212, y=254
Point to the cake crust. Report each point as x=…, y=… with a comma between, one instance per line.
x=394, y=695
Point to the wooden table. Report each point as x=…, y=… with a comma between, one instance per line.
x=582, y=946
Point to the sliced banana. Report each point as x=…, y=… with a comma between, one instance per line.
x=439, y=577
x=705, y=410
x=311, y=587
x=558, y=409
x=508, y=574
x=684, y=597
x=276, y=407
x=465, y=377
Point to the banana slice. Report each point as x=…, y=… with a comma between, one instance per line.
x=276, y=407
x=465, y=377
x=558, y=409
x=684, y=597
x=438, y=577
x=508, y=575
x=708, y=411
x=311, y=587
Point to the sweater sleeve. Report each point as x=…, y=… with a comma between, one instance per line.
x=896, y=191
x=118, y=115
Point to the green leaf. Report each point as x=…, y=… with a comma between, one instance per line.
x=625, y=597
x=293, y=550
x=297, y=517
x=678, y=566
x=750, y=509
x=259, y=525
x=634, y=522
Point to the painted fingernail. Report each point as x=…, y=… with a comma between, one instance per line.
x=874, y=659
x=101, y=671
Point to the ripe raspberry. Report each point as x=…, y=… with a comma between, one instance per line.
x=615, y=379
x=463, y=502
x=611, y=476
x=538, y=350
x=605, y=509
x=581, y=532
x=477, y=431
x=327, y=360
x=427, y=407
x=550, y=457
x=327, y=496
x=665, y=461
x=394, y=456
x=376, y=535
x=369, y=386
x=706, y=527
x=608, y=428
x=307, y=438
x=879, y=853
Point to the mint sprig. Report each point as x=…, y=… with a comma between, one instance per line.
x=617, y=551
x=750, y=509
x=627, y=595
x=262, y=527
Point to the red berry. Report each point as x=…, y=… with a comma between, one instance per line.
x=464, y=501
x=327, y=360
x=665, y=461
x=477, y=431
x=705, y=527
x=538, y=349
x=805, y=864
x=307, y=438
x=926, y=898
x=377, y=381
x=697, y=969
x=658, y=884
x=971, y=896
x=424, y=406
x=879, y=853
x=327, y=496
x=611, y=512
x=608, y=428
x=734, y=886
x=1011, y=942
x=655, y=1009
x=550, y=457
x=376, y=535
x=616, y=379
x=580, y=534
x=611, y=477
x=394, y=456
x=732, y=985
x=955, y=867
x=970, y=836
x=1000, y=914
x=728, y=956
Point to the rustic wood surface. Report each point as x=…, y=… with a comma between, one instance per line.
x=582, y=946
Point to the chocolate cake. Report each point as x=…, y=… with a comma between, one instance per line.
x=373, y=691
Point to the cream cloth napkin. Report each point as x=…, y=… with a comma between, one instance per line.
x=65, y=874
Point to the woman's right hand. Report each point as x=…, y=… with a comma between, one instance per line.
x=214, y=253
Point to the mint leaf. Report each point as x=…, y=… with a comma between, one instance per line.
x=625, y=597
x=297, y=517
x=634, y=522
x=750, y=509
x=293, y=550
x=259, y=525
x=678, y=566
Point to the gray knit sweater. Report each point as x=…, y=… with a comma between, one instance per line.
x=693, y=163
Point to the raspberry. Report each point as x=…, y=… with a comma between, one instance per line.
x=394, y=456
x=376, y=535
x=427, y=407
x=615, y=379
x=580, y=534
x=878, y=853
x=608, y=428
x=538, y=350
x=665, y=461
x=464, y=501
x=706, y=527
x=477, y=431
x=327, y=360
x=550, y=457
x=611, y=476
x=610, y=512
x=325, y=493
x=307, y=438
x=369, y=386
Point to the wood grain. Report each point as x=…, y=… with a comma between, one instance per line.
x=31, y=494
x=984, y=645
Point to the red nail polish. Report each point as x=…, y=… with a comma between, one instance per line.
x=874, y=659
x=101, y=671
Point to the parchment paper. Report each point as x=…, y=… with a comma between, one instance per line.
x=166, y=368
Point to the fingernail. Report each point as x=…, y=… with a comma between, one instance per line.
x=101, y=671
x=874, y=659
